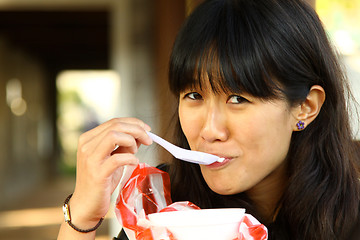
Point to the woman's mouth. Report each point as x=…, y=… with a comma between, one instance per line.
x=218, y=164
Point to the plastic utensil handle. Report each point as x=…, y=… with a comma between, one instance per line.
x=185, y=154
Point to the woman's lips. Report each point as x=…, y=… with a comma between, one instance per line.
x=219, y=164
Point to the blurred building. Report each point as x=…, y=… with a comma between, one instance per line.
x=39, y=39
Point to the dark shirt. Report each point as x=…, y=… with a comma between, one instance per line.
x=121, y=236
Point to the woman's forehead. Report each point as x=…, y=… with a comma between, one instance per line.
x=212, y=81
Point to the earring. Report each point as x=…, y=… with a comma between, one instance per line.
x=300, y=125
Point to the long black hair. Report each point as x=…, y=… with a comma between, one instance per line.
x=270, y=49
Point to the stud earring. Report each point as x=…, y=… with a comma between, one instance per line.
x=300, y=125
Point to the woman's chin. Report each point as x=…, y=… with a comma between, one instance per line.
x=223, y=190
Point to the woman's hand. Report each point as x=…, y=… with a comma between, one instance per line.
x=99, y=167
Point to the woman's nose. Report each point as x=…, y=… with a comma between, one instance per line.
x=214, y=126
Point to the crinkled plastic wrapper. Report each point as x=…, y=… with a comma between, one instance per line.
x=145, y=210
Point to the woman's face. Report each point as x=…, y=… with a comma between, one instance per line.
x=251, y=134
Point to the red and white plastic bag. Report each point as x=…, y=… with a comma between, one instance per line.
x=145, y=210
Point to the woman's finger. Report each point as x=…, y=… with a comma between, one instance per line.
x=112, y=133
x=125, y=142
x=117, y=161
x=115, y=121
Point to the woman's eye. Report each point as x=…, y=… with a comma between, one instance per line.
x=235, y=99
x=193, y=96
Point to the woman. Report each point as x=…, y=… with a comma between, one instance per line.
x=258, y=84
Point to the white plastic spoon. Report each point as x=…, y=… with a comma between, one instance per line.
x=185, y=154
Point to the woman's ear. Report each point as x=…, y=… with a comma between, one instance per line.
x=310, y=108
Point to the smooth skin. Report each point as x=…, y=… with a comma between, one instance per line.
x=253, y=136
x=99, y=169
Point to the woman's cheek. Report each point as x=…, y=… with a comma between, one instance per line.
x=190, y=120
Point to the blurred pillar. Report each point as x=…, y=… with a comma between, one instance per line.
x=169, y=15
x=121, y=52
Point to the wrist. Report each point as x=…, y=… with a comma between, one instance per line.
x=78, y=223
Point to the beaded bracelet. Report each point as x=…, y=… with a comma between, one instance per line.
x=67, y=216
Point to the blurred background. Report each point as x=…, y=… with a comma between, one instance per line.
x=67, y=66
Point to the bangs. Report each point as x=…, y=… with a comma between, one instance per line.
x=207, y=49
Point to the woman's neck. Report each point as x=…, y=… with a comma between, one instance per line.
x=267, y=194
